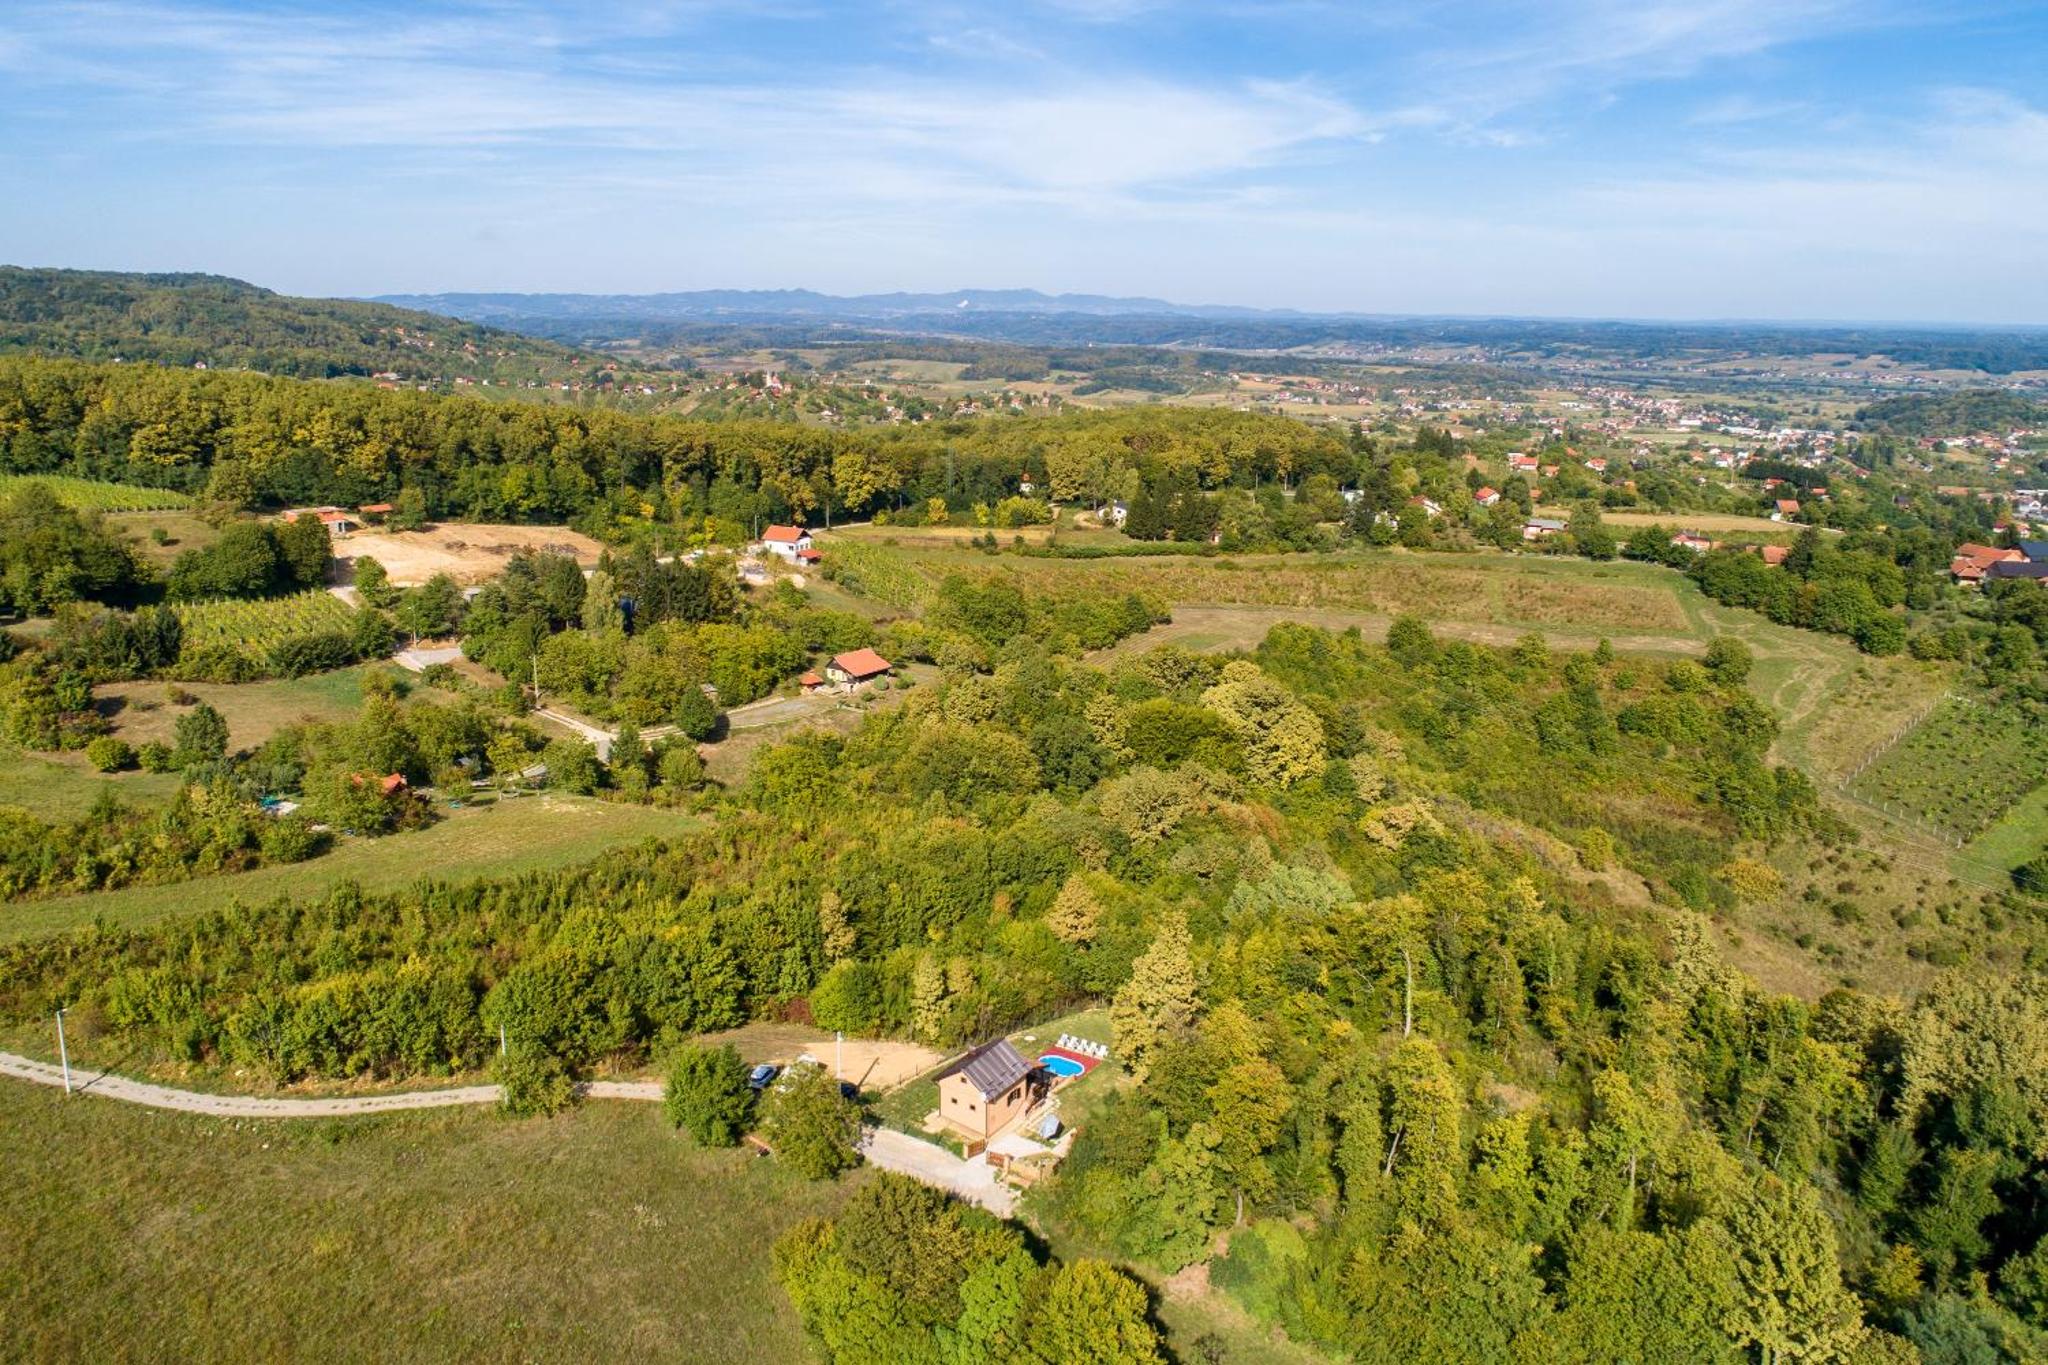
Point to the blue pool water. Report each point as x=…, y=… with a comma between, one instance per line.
x=1061, y=1066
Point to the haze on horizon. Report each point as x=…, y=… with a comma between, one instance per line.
x=1796, y=159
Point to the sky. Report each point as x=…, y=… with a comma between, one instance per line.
x=1800, y=159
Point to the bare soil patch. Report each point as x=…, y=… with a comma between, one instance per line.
x=870, y=1063
x=468, y=552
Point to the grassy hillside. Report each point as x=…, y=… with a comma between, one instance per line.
x=442, y=1236
x=183, y=319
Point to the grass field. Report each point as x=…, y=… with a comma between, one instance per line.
x=182, y=532
x=2020, y=834
x=1749, y=528
x=130, y=1234
x=97, y=495
x=254, y=711
x=1515, y=590
x=63, y=786
x=500, y=840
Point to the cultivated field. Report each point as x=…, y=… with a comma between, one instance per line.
x=468, y=552
x=498, y=840
x=252, y=628
x=1960, y=768
x=97, y=495
x=132, y=1234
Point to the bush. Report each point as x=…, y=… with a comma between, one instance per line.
x=707, y=1093
x=2032, y=877
x=534, y=1083
x=289, y=839
x=110, y=755
x=155, y=757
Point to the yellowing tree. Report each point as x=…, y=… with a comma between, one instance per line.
x=1281, y=738
x=1159, y=1001
x=1075, y=912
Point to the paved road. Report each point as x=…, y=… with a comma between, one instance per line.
x=973, y=1181
x=892, y=1151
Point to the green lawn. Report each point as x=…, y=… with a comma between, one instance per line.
x=254, y=711
x=64, y=786
x=500, y=840
x=2022, y=833
x=131, y=1234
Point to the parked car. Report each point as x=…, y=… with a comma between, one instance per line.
x=760, y=1076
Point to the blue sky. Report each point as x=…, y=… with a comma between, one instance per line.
x=1633, y=158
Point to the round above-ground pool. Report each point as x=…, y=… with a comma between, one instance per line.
x=1065, y=1067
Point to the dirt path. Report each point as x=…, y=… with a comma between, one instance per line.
x=113, y=1087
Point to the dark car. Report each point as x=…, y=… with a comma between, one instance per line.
x=760, y=1076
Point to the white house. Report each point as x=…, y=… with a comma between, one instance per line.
x=785, y=542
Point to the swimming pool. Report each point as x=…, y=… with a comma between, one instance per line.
x=1061, y=1066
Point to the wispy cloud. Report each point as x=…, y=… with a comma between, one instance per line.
x=1592, y=156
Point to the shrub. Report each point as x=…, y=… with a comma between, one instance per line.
x=110, y=755
x=155, y=757
x=534, y=1083
x=707, y=1093
x=289, y=839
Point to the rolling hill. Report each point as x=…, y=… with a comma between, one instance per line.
x=191, y=319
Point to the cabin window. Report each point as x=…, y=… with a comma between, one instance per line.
x=1015, y=1093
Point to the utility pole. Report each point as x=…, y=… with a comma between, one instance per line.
x=838, y=1052
x=501, y=1040
x=63, y=1053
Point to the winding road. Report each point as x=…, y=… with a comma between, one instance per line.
x=927, y=1162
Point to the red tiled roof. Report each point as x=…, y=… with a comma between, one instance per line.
x=1986, y=554
x=375, y=507
x=860, y=663
x=1788, y=504
x=784, y=535
x=811, y=678
x=1774, y=554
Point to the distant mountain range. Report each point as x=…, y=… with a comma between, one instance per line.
x=1028, y=317
x=758, y=305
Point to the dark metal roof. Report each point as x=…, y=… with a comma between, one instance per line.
x=2017, y=568
x=992, y=1068
x=2034, y=549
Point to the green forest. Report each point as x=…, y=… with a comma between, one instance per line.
x=1449, y=1100
x=184, y=319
